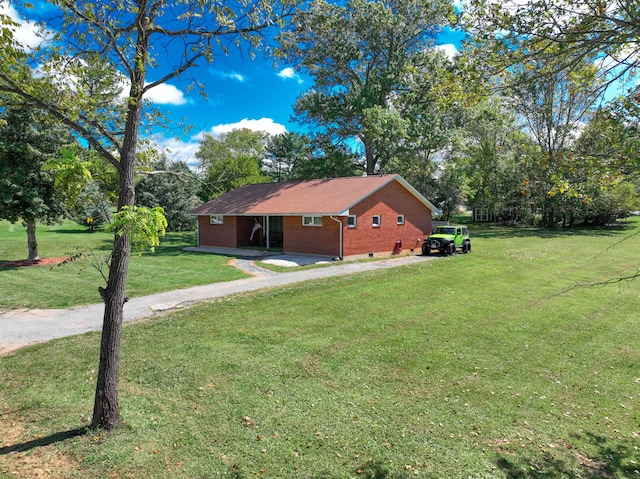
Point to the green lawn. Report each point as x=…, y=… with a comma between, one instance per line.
x=488, y=365
x=77, y=283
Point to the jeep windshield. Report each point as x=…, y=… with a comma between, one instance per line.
x=445, y=231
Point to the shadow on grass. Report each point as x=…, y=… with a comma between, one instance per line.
x=613, y=459
x=374, y=470
x=74, y=232
x=525, y=232
x=44, y=441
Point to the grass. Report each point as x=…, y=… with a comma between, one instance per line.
x=77, y=283
x=488, y=365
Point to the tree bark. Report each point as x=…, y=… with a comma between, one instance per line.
x=31, y=239
x=106, y=408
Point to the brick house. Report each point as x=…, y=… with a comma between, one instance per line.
x=337, y=217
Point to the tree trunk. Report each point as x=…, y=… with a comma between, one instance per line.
x=31, y=239
x=106, y=408
x=369, y=156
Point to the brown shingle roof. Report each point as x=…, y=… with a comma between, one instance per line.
x=318, y=197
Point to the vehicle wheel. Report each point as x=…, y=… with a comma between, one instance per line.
x=451, y=249
x=426, y=250
x=465, y=247
x=468, y=246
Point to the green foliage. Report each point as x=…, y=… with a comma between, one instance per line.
x=71, y=175
x=567, y=32
x=373, y=66
x=144, y=226
x=172, y=186
x=327, y=160
x=105, y=175
x=231, y=160
x=92, y=209
x=285, y=152
x=27, y=141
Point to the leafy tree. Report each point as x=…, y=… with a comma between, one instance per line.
x=28, y=139
x=173, y=187
x=92, y=207
x=553, y=104
x=231, y=160
x=603, y=168
x=368, y=59
x=101, y=49
x=86, y=202
x=489, y=155
x=285, y=152
x=569, y=32
x=71, y=175
x=327, y=160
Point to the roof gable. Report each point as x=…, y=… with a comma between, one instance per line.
x=313, y=197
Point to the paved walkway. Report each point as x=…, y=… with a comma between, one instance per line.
x=22, y=327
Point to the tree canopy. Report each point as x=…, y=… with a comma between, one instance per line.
x=28, y=140
x=231, y=160
x=172, y=186
x=569, y=32
x=366, y=58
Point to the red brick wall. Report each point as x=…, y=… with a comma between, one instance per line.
x=389, y=202
x=223, y=235
x=322, y=240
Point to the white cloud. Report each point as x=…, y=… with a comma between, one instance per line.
x=290, y=74
x=263, y=124
x=449, y=49
x=180, y=150
x=166, y=94
x=239, y=77
x=25, y=33
x=163, y=94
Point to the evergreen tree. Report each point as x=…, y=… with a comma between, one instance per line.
x=173, y=187
x=28, y=138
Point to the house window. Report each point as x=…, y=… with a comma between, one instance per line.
x=375, y=220
x=400, y=219
x=216, y=219
x=312, y=221
x=351, y=221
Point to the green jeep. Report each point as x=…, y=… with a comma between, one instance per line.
x=447, y=240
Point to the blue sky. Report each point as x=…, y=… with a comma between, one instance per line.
x=241, y=93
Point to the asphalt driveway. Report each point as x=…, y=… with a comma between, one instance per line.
x=23, y=327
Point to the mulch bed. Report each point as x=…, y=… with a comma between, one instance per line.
x=38, y=262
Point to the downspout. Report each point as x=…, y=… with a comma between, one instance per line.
x=340, y=223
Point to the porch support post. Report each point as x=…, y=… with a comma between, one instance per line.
x=265, y=219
